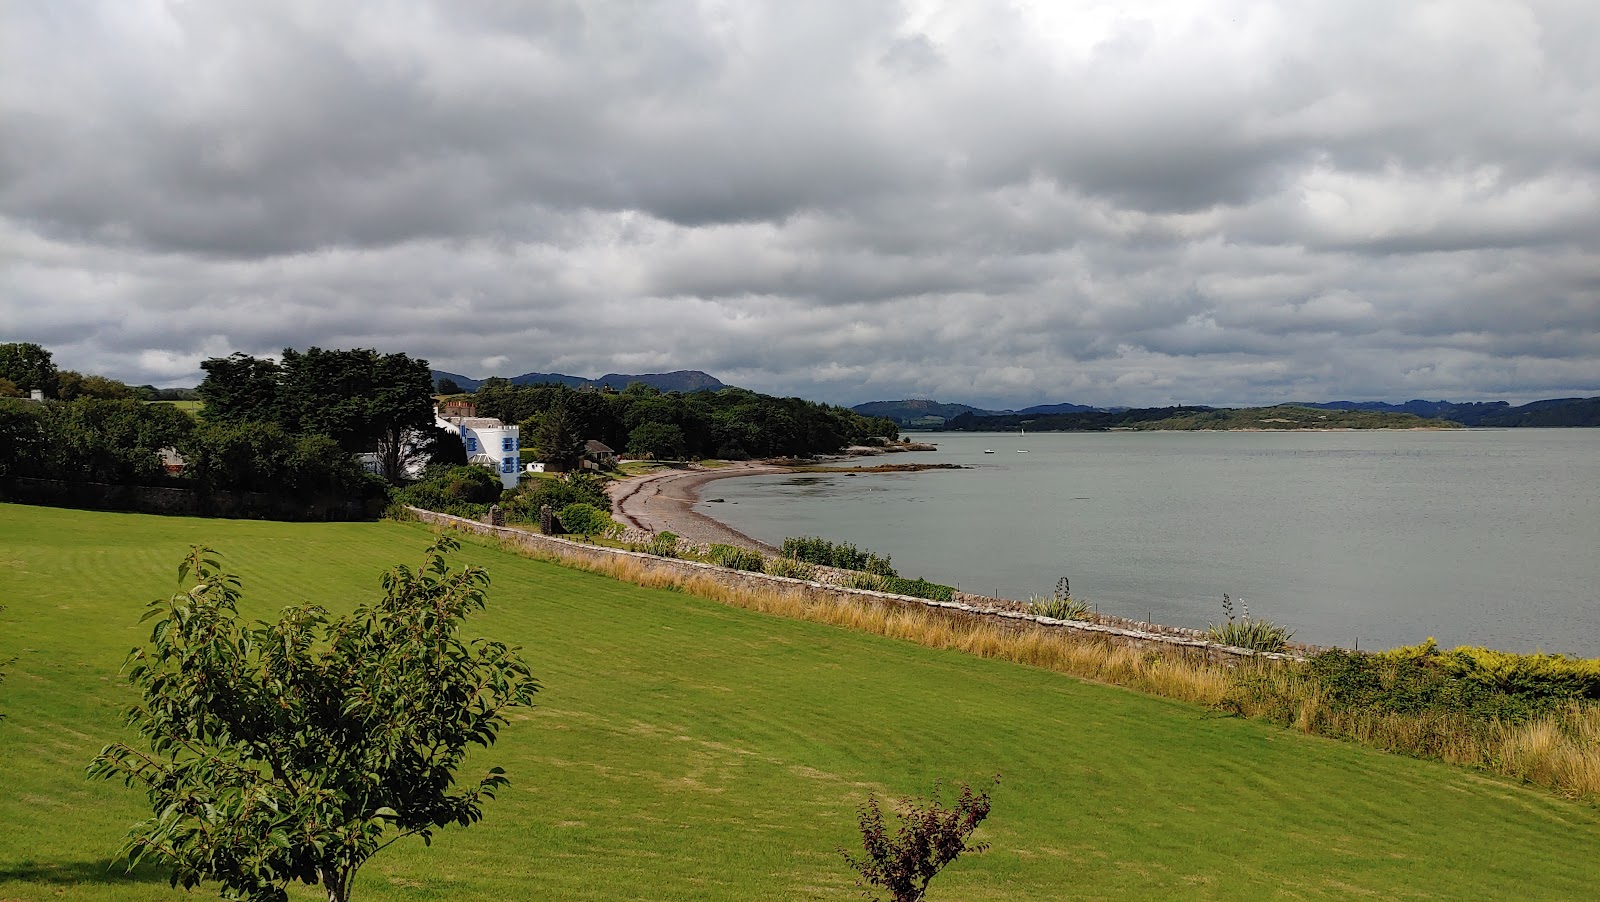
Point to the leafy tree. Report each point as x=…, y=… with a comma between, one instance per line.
x=22, y=439
x=8, y=389
x=28, y=366
x=448, y=386
x=930, y=837
x=661, y=441
x=116, y=442
x=364, y=400
x=71, y=385
x=240, y=387
x=292, y=752
x=261, y=457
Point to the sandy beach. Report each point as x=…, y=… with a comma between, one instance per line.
x=664, y=502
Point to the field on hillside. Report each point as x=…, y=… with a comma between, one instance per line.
x=685, y=750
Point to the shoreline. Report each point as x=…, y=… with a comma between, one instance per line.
x=664, y=502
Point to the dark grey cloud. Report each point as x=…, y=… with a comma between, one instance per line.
x=1212, y=202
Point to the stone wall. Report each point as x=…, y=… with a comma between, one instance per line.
x=567, y=549
x=149, y=499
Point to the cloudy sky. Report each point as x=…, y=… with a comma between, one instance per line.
x=999, y=203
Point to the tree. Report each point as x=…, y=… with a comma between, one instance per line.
x=930, y=837
x=448, y=386
x=116, y=442
x=29, y=366
x=660, y=441
x=22, y=439
x=8, y=389
x=71, y=384
x=364, y=400
x=295, y=751
x=555, y=440
x=240, y=387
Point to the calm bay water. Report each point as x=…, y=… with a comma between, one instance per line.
x=1473, y=537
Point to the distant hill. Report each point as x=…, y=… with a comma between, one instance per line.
x=909, y=412
x=1551, y=412
x=1283, y=416
x=679, y=380
x=926, y=413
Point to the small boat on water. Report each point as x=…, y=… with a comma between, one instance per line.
x=988, y=450
x=1024, y=435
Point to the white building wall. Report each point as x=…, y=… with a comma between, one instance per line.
x=502, y=443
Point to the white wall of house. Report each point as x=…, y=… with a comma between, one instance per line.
x=493, y=444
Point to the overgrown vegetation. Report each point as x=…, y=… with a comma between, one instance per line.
x=841, y=555
x=793, y=569
x=465, y=491
x=930, y=836
x=291, y=752
x=1247, y=632
x=899, y=585
x=735, y=558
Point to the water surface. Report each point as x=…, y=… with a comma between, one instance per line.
x=1382, y=538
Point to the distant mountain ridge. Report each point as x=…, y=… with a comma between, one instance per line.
x=1552, y=412
x=679, y=380
x=921, y=411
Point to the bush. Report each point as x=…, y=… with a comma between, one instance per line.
x=930, y=837
x=736, y=558
x=586, y=520
x=917, y=588
x=1244, y=632
x=573, y=488
x=1534, y=675
x=461, y=491
x=786, y=566
x=842, y=555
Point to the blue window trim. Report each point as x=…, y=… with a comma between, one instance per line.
x=472, y=444
x=508, y=444
x=509, y=465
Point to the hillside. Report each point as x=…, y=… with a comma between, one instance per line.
x=682, y=749
x=1282, y=417
x=679, y=380
x=1551, y=412
x=926, y=413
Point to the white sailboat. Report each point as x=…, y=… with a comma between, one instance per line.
x=1024, y=435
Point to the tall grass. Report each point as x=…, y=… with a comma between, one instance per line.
x=1558, y=749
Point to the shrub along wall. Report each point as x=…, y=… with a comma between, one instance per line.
x=552, y=546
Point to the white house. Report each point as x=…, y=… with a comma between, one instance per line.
x=490, y=443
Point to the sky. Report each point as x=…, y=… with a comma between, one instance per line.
x=999, y=203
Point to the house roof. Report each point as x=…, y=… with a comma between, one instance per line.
x=482, y=459
x=478, y=422
x=594, y=446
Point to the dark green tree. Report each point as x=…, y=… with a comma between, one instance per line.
x=292, y=752
x=660, y=441
x=240, y=387
x=23, y=439
x=555, y=440
x=448, y=386
x=364, y=400
x=28, y=366
x=115, y=442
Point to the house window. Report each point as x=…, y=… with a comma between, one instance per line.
x=508, y=444
x=472, y=444
x=509, y=465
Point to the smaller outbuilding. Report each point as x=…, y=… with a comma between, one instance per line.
x=597, y=454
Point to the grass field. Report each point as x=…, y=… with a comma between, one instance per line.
x=684, y=749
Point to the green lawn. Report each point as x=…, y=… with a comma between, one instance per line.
x=687, y=750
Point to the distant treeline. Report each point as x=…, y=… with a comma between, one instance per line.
x=1283, y=416
x=640, y=421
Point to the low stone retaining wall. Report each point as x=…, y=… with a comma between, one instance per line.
x=568, y=549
